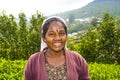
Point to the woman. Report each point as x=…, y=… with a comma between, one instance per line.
x=55, y=62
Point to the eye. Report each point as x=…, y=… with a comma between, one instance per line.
x=62, y=33
x=51, y=34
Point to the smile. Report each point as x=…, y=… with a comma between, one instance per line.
x=57, y=44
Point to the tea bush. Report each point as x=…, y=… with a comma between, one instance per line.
x=104, y=71
x=11, y=70
x=14, y=70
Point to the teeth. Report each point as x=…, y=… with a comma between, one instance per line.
x=57, y=44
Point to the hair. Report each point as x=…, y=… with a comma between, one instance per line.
x=48, y=21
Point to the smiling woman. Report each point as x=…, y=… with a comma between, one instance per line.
x=55, y=62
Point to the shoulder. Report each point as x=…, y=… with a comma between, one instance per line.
x=34, y=57
x=77, y=57
x=74, y=54
x=31, y=65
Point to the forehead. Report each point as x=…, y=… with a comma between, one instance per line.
x=56, y=25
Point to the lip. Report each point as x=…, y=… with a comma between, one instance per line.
x=57, y=44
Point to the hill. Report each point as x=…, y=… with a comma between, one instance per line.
x=95, y=8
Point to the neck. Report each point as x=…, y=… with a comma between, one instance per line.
x=53, y=54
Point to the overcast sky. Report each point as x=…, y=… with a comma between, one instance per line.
x=46, y=7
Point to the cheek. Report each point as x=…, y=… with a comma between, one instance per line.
x=49, y=41
x=64, y=39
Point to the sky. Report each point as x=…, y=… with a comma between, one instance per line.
x=46, y=7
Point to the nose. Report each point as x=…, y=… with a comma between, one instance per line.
x=57, y=37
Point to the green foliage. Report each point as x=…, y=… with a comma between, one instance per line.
x=18, y=36
x=108, y=40
x=101, y=43
x=94, y=21
x=14, y=70
x=11, y=70
x=104, y=71
x=71, y=18
x=77, y=26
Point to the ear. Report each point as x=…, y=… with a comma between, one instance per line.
x=43, y=38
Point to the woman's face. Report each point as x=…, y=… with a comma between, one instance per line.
x=55, y=37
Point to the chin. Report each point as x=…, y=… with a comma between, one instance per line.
x=58, y=49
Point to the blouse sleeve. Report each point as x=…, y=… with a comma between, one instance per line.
x=28, y=71
x=84, y=71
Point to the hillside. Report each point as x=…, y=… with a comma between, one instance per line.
x=95, y=8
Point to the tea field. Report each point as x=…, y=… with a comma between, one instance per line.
x=14, y=70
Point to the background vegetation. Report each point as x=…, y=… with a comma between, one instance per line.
x=19, y=37
x=14, y=70
x=99, y=44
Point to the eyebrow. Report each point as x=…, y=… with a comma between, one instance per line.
x=50, y=31
x=56, y=30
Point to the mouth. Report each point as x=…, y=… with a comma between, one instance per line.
x=57, y=44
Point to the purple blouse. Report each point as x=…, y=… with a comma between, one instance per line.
x=77, y=68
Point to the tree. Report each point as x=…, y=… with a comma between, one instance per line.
x=71, y=18
x=19, y=38
x=107, y=31
x=100, y=43
x=94, y=21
